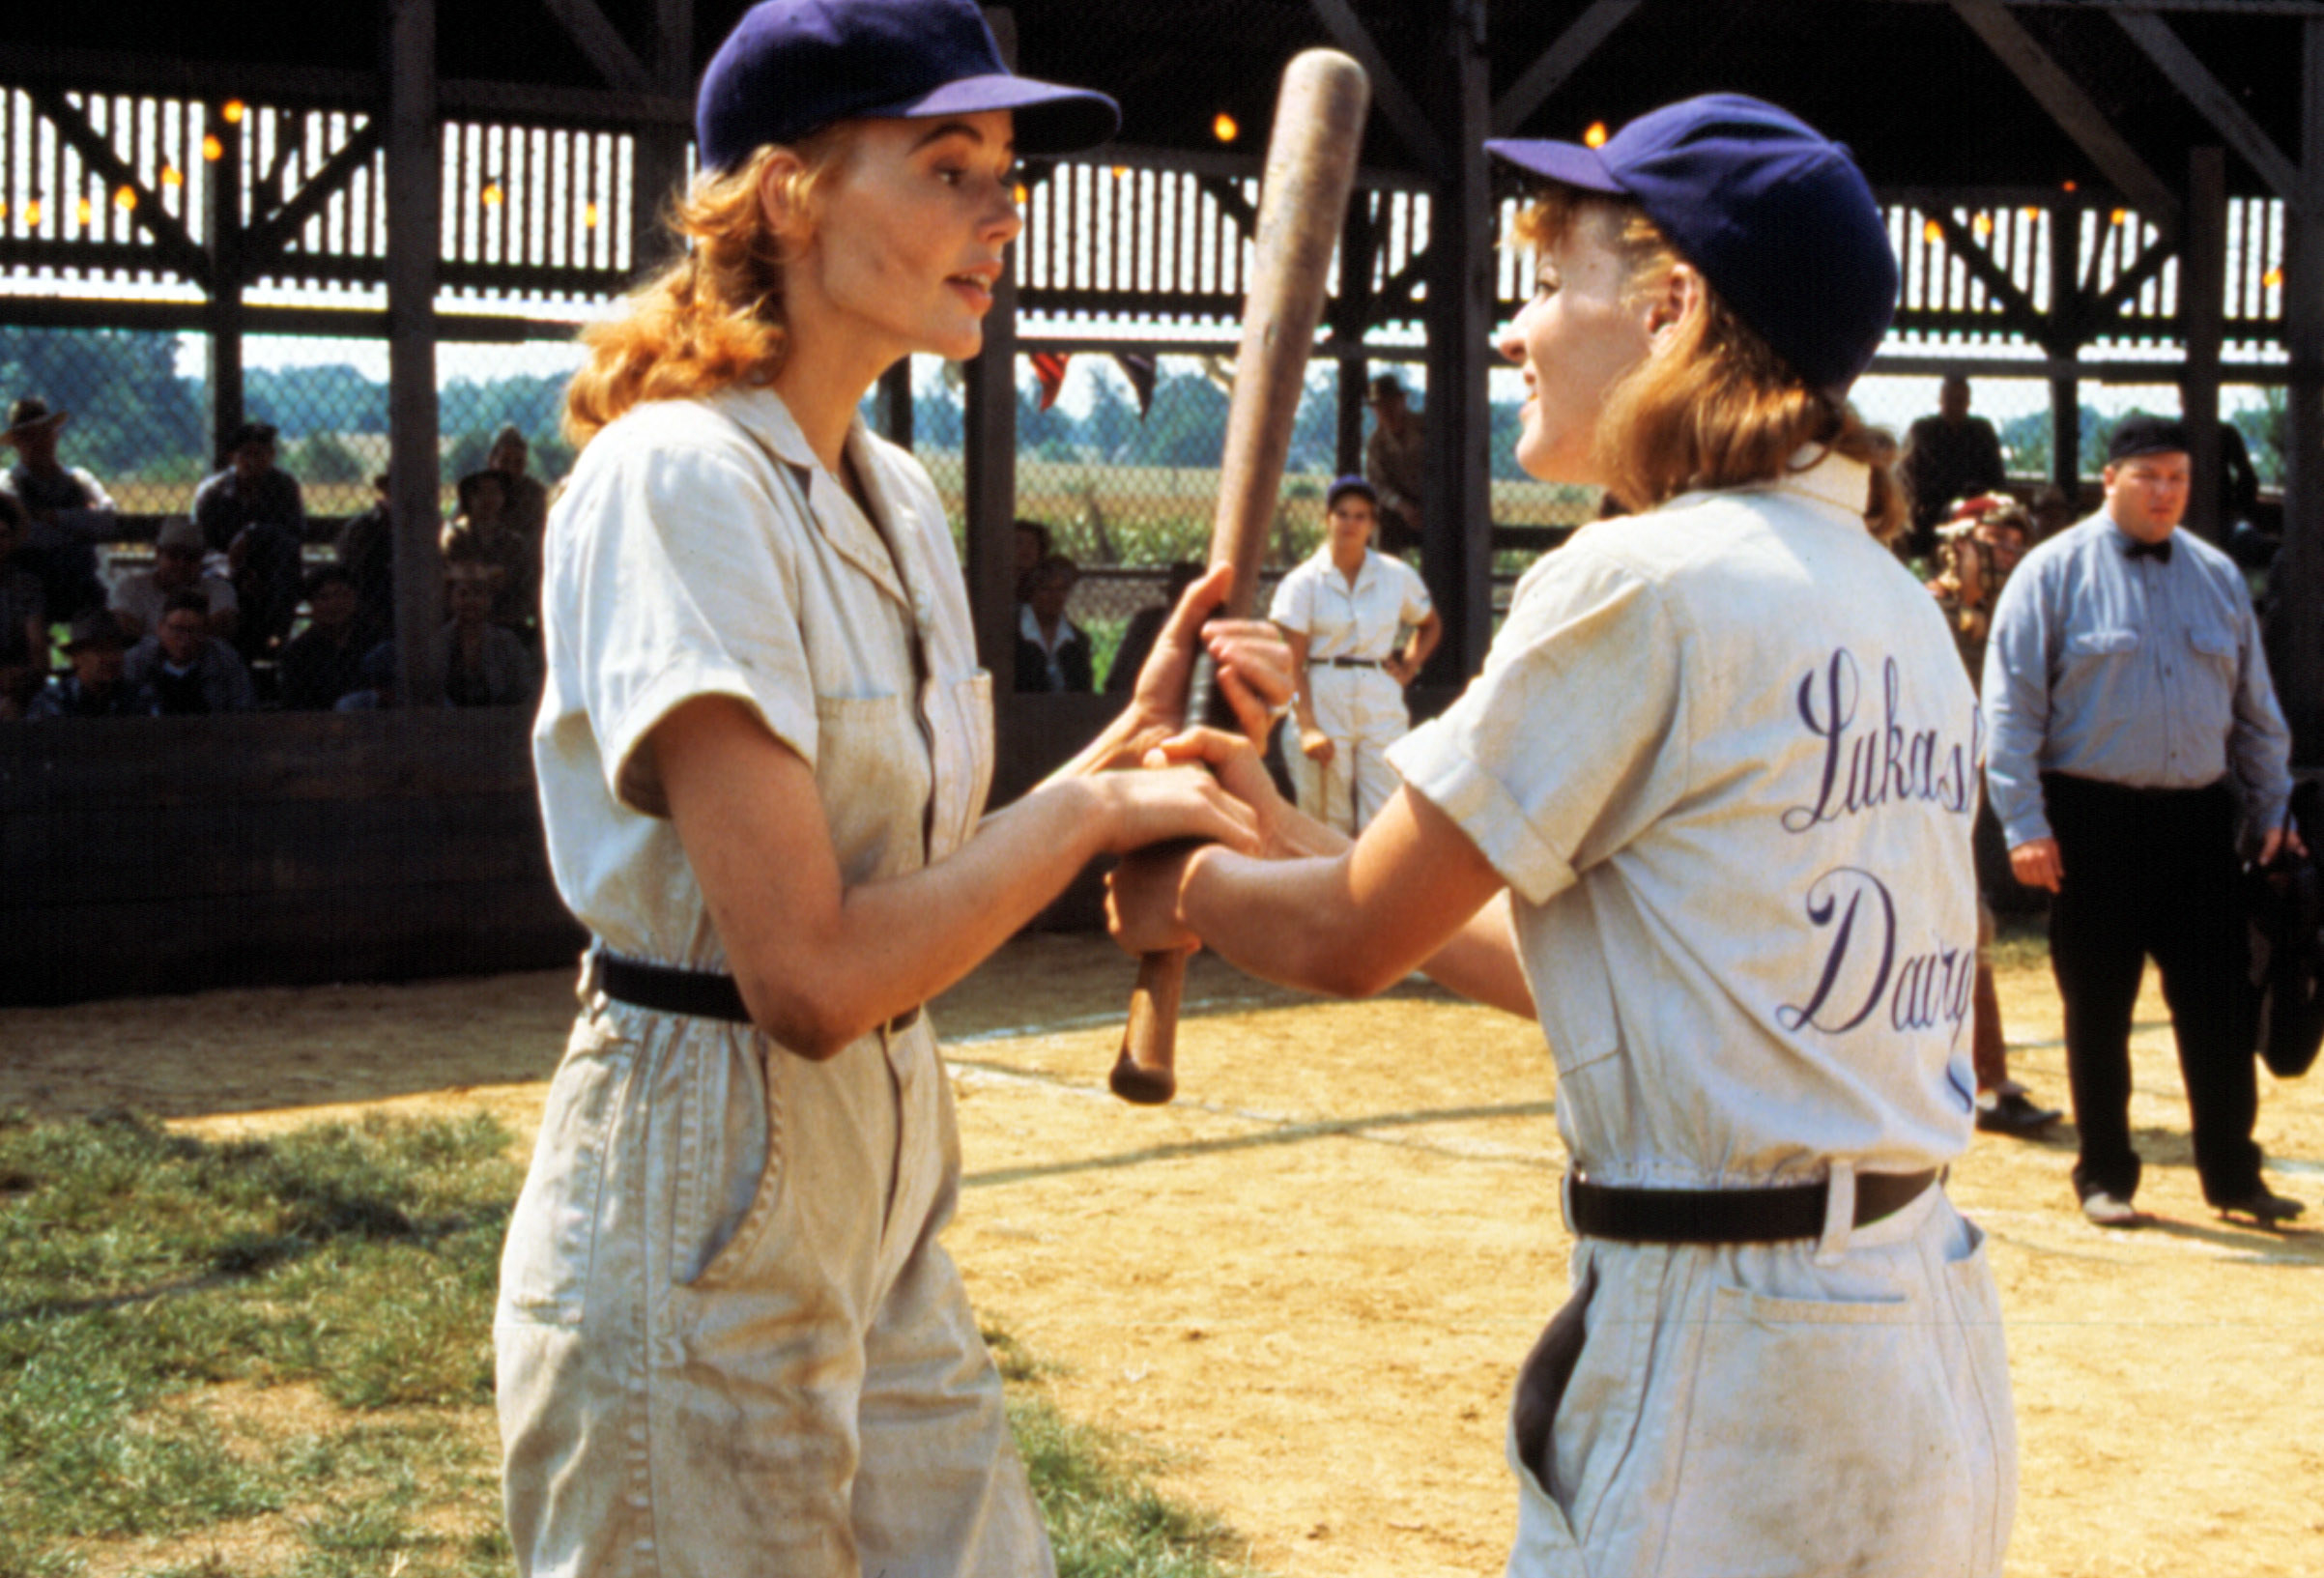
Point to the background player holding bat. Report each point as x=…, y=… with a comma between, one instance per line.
x=1722, y=759
x=727, y=1340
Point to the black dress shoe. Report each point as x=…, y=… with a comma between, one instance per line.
x=2013, y=1114
x=2262, y=1205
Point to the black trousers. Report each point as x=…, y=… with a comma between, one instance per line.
x=2153, y=873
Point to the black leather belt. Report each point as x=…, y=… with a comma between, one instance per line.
x=1729, y=1215
x=1349, y=662
x=695, y=993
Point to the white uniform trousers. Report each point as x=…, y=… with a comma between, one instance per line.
x=1363, y=711
x=727, y=1340
x=1770, y=1411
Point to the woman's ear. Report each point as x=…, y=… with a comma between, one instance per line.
x=779, y=196
x=1680, y=294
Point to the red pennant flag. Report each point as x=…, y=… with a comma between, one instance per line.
x=1049, y=368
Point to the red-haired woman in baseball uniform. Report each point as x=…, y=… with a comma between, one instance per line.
x=729, y=1340
x=1706, y=815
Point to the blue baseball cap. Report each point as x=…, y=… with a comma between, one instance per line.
x=792, y=67
x=1775, y=214
x=1342, y=486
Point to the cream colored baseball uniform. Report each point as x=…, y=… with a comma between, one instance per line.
x=1361, y=709
x=729, y=1340
x=1726, y=757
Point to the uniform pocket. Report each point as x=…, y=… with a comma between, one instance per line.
x=1818, y=1433
x=1988, y=1427
x=731, y=1174
x=871, y=773
x=553, y=1234
x=2098, y=649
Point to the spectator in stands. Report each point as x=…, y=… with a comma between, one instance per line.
x=67, y=513
x=1031, y=542
x=2052, y=510
x=265, y=563
x=19, y=679
x=250, y=488
x=527, y=505
x=2238, y=480
x=97, y=686
x=23, y=600
x=482, y=534
x=187, y=669
x=1138, y=641
x=483, y=662
x=378, y=688
x=1396, y=459
x=179, y=565
x=1948, y=456
x=325, y=661
x=1053, y=652
x=366, y=551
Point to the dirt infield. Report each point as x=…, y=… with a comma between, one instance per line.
x=1311, y=1278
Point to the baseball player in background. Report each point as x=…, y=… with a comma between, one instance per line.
x=729, y=1341
x=1706, y=815
x=1344, y=611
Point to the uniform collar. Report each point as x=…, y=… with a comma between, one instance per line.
x=1829, y=478
x=1365, y=575
x=762, y=413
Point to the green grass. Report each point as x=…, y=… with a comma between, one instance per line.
x=274, y=1357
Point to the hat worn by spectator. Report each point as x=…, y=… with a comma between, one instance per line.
x=1773, y=214
x=2137, y=435
x=249, y=433
x=1342, y=487
x=93, y=629
x=178, y=532
x=29, y=415
x=1385, y=386
x=792, y=67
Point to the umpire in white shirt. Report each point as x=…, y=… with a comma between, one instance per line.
x=2133, y=733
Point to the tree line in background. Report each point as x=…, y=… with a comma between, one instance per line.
x=2026, y=439
x=136, y=418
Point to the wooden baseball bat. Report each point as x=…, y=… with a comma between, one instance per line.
x=1319, y=115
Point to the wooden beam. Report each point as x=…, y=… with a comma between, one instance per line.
x=2203, y=331
x=274, y=232
x=179, y=249
x=2296, y=632
x=1390, y=96
x=1559, y=61
x=603, y=44
x=322, y=323
x=2075, y=113
x=2190, y=76
x=415, y=228
x=1229, y=195
x=2016, y=307
x=1456, y=508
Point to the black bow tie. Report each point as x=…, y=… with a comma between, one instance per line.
x=2159, y=552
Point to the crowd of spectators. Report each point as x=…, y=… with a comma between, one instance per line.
x=238, y=606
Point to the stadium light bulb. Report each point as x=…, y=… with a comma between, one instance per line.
x=490, y=196
x=231, y=111
x=2119, y=216
x=82, y=212
x=1022, y=193
x=2030, y=212
x=2272, y=278
x=1983, y=224
x=213, y=149
x=32, y=211
x=1595, y=137
x=171, y=175
x=1120, y=170
x=1932, y=232
x=125, y=198
x=3, y=207
x=2067, y=185
x=588, y=216
x=1225, y=128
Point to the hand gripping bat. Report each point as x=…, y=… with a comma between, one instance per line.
x=1319, y=115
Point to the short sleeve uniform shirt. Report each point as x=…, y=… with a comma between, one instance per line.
x=1725, y=756
x=699, y=549
x=1339, y=620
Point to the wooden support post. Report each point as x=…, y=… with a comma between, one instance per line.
x=1456, y=512
x=659, y=170
x=1350, y=316
x=2065, y=390
x=2296, y=630
x=895, y=403
x=989, y=455
x=415, y=231
x=2203, y=331
x=222, y=315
